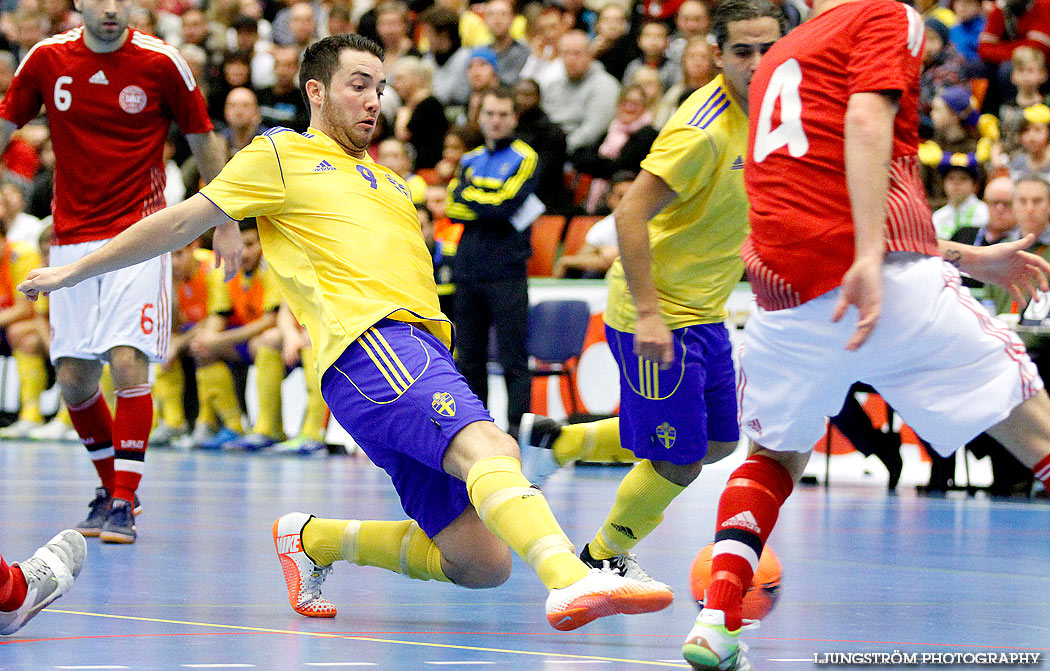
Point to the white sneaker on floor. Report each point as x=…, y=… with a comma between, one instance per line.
x=19, y=430
x=536, y=436
x=711, y=647
x=49, y=574
x=601, y=593
x=56, y=429
x=166, y=435
x=302, y=576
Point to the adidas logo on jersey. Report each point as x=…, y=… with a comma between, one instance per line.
x=324, y=166
x=98, y=78
x=744, y=520
x=738, y=164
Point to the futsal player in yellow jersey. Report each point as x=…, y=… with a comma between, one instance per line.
x=343, y=240
x=681, y=227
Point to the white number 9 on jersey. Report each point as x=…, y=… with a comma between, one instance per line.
x=63, y=98
x=783, y=86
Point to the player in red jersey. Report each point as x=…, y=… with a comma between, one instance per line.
x=839, y=220
x=111, y=95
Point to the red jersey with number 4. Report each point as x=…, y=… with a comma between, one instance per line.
x=109, y=115
x=801, y=241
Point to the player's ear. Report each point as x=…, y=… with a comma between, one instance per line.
x=315, y=91
x=716, y=52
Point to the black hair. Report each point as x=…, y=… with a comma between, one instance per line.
x=731, y=11
x=321, y=59
x=249, y=224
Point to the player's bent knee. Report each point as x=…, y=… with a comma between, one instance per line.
x=718, y=450
x=487, y=568
x=680, y=474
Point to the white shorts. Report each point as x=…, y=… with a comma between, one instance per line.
x=129, y=307
x=935, y=356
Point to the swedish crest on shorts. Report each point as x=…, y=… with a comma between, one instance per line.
x=666, y=434
x=444, y=404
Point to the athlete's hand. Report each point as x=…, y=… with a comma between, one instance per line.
x=226, y=242
x=861, y=288
x=1008, y=264
x=653, y=340
x=44, y=281
x=290, y=352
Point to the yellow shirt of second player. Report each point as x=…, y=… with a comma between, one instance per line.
x=696, y=240
x=340, y=234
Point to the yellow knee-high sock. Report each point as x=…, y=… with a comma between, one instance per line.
x=591, y=441
x=639, y=508
x=167, y=394
x=401, y=547
x=32, y=377
x=316, y=410
x=269, y=372
x=518, y=513
x=105, y=383
x=63, y=413
x=215, y=388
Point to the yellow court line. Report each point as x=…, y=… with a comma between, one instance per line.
x=371, y=639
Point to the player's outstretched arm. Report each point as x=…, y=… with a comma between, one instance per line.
x=647, y=196
x=209, y=150
x=163, y=231
x=1006, y=264
x=868, y=148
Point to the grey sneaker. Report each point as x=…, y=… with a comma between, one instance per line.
x=49, y=574
x=536, y=436
x=119, y=526
x=626, y=565
x=97, y=511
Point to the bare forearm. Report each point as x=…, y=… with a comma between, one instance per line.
x=209, y=150
x=17, y=312
x=957, y=254
x=245, y=333
x=647, y=196
x=161, y=232
x=7, y=129
x=868, y=149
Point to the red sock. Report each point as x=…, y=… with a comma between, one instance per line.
x=94, y=425
x=1042, y=471
x=747, y=511
x=12, y=587
x=131, y=429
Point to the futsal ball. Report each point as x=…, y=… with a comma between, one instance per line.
x=761, y=595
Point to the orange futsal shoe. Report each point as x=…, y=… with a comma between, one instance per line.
x=601, y=593
x=302, y=576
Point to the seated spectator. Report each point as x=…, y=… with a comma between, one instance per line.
x=613, y=46
x=19, y=224
x=190, y=268
x=544, y=32
x=626, y=143
x=236, y=73
x=196, y=30
x=296, y=349
x=241, y=327
x=393, y=28
x=19, y=335
x=649, y=80
x=421, y=119
x=601, y=246
x=964, y=34
x=30, y=26
x=653, y=41
x=511, y=54
x=242, y=121
x=245, y=31
x=942, y=65
x=458, y=141
x=398, y=156
x=446, y=56
x=691, y=21
x=1028, y=75
x=539, y=132
x=169, y=25
x=1034, y=136
x=296, y=25
x=1031, y=207
x=482, y=76
x=339, y=22
x=442, y=252
x=961, y=182
x=143, y=20
x=282, y=104
x=1001, y=225
x=581, y=100
x=957, y=130
x=1014, y=24
x=698, y=68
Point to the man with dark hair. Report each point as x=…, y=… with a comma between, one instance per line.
x=680, y=229
x=447, y=55
x=492, y=184
x=343, y=241
x=282, y=104
x=839, y=220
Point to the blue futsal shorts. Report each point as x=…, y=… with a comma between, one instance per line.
x=397, y=392
x=670, y=414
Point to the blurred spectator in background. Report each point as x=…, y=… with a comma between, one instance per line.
x=242, y=121
x=544, y=32
x=691, y=21
x=236, y=73
x=613, y=46
x=1034, y=138
x=400, y=157
x=653, y=41
x=698, y=68
x=539, y=132
x=421, y=118
x=458, y=141
x=601, y=246
x=245, y=32
x=942, y=65
x=961, y=182
x=1028, y=75
x=511, y=54
x=446, y=56
x=582, y=100
x=282, y=104
x=965, y=33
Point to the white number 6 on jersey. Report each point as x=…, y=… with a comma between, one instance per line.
x=63, y=98
x=783, y=85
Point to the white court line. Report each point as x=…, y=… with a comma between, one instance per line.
x=92, y=667
x=574, y=661
x=463, y=663
x=340, y=663
x=788, y=659
x=218, y=666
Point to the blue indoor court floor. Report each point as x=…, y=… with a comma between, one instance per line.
x=864, y=571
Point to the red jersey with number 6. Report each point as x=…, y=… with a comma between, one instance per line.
x=801, y=241
x=109, y=115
